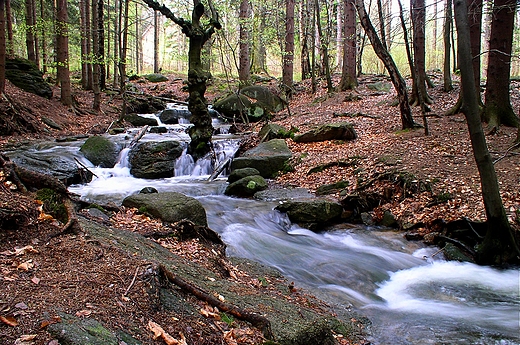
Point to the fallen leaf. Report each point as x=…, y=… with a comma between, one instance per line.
x=83, y=313
x=20, y=251
x=36, y=280
x=159, y=332
x=25, y=339
x=45, y=323
x=9, y=320
x=21, y=305
x=25, y=266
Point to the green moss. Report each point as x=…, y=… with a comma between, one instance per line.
x=53, y=204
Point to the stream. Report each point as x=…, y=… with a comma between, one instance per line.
x=409, y=295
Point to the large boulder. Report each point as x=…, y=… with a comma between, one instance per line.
x=155, y=77
x=238, y=174
x=330, y=131
x=144, y=105
x=101, y=151
x=154, y=159
x=268, y=158
x=64, y=169
x=233, y=107
x=247, y=186
x=172, y=115
x=169, y=206
x=264, y=97
x=273, y=131
x=311, y=213
x=26, y=75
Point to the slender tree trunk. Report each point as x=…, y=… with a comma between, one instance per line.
x=118, y=13
x=109, y=42
x=88, y=46
x=62, y=55
x=96, y=66
x=35, y=33
x=244, y=66
x=83, y=43
x=29, y=31
x=382, y=31
x=499, y=244
x=418, y=10
x=122, y=56
x=397, y=80
x=9, y=21
x=448, y=19
x=348, y=74
x=498, y=109
x=288, y=56
x=2, y=47
x=304, y=39
x=433, y=59
x=407, y=43
x=313, y=50
x=101, y=43
x=156, y=67
x=137, y=41
x=43, y=34
x=340, y=38
x=324, y=49
x=259, y=59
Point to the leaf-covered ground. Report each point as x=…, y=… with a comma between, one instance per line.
x=72, y=274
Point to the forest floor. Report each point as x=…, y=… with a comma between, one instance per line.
x=443, y=159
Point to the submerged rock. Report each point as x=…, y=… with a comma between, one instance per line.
x=154, y=159
x=246, y=186
x=101, y=151
x=311, y=213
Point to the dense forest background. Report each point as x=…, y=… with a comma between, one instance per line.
x=157, y=44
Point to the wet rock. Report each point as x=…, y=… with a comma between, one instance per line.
x=101, y=151
x=283, y=194
x=272, y=131
x=171, y=116
x=268, y=158
x=158, y=129
x=452, y=252
x=389, y=220
x=154, y=159
x=330, y=131
x=247, y=186
x=26, y=75
x=140, y=121
x=148, y=190
x=331, y=188
x=238, y=174
x=312, y=213
x=145, y=105
x=169, y=206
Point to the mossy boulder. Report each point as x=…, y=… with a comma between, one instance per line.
x=268, y=158
x=233, y=107
x=330, y=131
x=264, y=97
x=169, y=206
x=26, y=75
x=154, y=159
x=273, y=131
x=155, y=77
x=247, y=186
x=238, y=174
x=101, y=151
x=312, y=213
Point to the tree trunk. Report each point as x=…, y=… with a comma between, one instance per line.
x=499, y=243
x=244, y=66
x=122, y=55
x=101, y=43
x=137, y=41
x=288, y=56
x=340, y=14
x=259, y=58
x=29, y=31
x=324, y=49
x=43, y=34
x=96, y=67
x=62, y=55
x=156, y=67
x=88, y=45
x=202, y=129
x=418, y=11
x=304, y=39
x=9, y=21
x=2, y=47
x=409, y=56
x=498, y=109
x=381, y=17
x=397, y=80
x=448, y=19
x=83, y=43
x=348, y=73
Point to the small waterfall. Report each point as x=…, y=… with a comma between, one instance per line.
x=184, y=164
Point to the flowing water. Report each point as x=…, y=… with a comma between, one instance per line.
x=410, y=297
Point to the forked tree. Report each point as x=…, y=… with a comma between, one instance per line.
x=499, y=244
x=197, y=33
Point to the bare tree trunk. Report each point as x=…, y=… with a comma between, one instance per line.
x=9, y=21
x=499, y=244
x=288, y=56
x=43, y=34
x=259, y=58
x=397, y=80
x=88, y=45
x=418, y=11
x=35, y=33
x=433, y=59
x=244, y=68
x=156, y=67
x=62, y=55
x=101, y=43
x=137, y=41
x=122, y=55
x=498, y=109
x=348, y=74
x=340, y=14
x=83, y=43
x=448, y=21
x=96, y=67
x=2, y=47
x=313, y=50
x=382, y=31
x=117, y=40
x=304, y=39
x=324, y=49
x=29, y=31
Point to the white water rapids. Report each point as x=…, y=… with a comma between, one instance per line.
x=410, y=297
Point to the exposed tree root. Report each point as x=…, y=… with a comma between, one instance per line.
x=255, y=319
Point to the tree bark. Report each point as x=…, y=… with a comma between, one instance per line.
x=83, y=43
x=397, y=80
x=304, y=39
x=324, y=49
x=202, y=129
x=2, y=47
x=156, y=67
x=43, y=34
x=9, y=21
x=29, y=31
x=418, y=11
x=122, y=54
x=499, y=244
x=448, y=21
x=498, y=109
x=101, y=43
x=62, y=55
x=348, y=73
x=244, y=65
x=96, y=66
x=88, y=45
x=288, y=56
